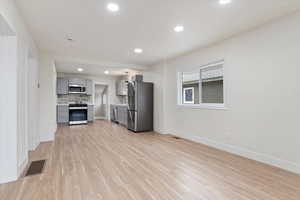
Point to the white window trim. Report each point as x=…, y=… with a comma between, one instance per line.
x=189, y=102
x=212, y=106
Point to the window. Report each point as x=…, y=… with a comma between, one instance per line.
x=203, y=87
x=188, y=95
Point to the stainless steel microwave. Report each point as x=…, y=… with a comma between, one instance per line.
x=77, y=89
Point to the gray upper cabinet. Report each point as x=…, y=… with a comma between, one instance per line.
x=121, y=88
x=62, y=114
x=90, y=113
x=77, y=81
x=89, y=87
x=62, y=86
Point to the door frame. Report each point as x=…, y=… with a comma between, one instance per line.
x=108, y=99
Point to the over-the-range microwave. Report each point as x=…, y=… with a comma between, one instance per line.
x=77, y=89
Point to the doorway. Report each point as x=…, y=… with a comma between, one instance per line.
x=101, y=102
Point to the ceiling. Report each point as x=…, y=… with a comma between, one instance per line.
x=108, y=39
x=94, y=69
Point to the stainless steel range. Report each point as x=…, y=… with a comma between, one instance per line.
x=78, y=114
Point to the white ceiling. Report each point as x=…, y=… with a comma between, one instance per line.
x=109, y=39
x=93, y=69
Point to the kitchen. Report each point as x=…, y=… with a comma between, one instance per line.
x=76, y=98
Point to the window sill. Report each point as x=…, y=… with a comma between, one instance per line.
x=204, y=106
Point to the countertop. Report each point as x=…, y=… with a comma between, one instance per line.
x=119, y=105
x=67, y=104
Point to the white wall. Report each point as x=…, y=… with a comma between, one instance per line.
x=262, y=70
x=47, y=107
x=15, y=79
x=156, y=74
x=33, y=104
x=8, y=114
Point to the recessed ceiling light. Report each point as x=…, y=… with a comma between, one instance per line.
x=179, y=28
x=224, y=2
x=80, y=69
x=138, y=50
x=113, y=7
x=106, y=72
x=69, y=38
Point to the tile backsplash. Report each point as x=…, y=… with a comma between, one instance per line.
x=71, y=98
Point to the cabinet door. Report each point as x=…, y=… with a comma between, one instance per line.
x=121, y=88
x=122, y=115
x=124, y=88
x=77, y=81
x=62, y=86
x=118, y=88
x=112, y=114
x=62, y=114
x=125, y=115
x=90, y=113
x=89, y=87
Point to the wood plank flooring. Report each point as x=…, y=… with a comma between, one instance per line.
x=105, y=161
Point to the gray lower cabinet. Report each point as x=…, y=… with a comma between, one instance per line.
x=62, y=86
x=122, y=115
x=90, y=113
x=89, y=87
x=113, y=113
x=119, y=114
x=62, y=114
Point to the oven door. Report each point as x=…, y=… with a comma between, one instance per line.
x=78, y=116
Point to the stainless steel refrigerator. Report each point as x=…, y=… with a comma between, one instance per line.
x=140, y=103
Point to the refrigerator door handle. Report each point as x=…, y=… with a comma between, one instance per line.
x=129, y=111
x=135, y=121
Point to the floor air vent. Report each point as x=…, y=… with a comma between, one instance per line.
x=36, y=167
x=176, y=138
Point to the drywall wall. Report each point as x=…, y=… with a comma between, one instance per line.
x=156, y=75
x=8, y=114
x=47, y=76
x=33, y=103
x=262, y=95
x=14, y=131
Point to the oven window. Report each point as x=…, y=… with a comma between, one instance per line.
x=78, y=115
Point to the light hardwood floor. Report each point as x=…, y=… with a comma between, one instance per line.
x=105, y=161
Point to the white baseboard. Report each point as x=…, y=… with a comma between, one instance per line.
x=287, y=165
x=8, y=179
x=47, y=138
x=22, y=166
x=34, y=146
x=101, y=118
x=160, y=132
x=17, y=172
x=50, y=136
